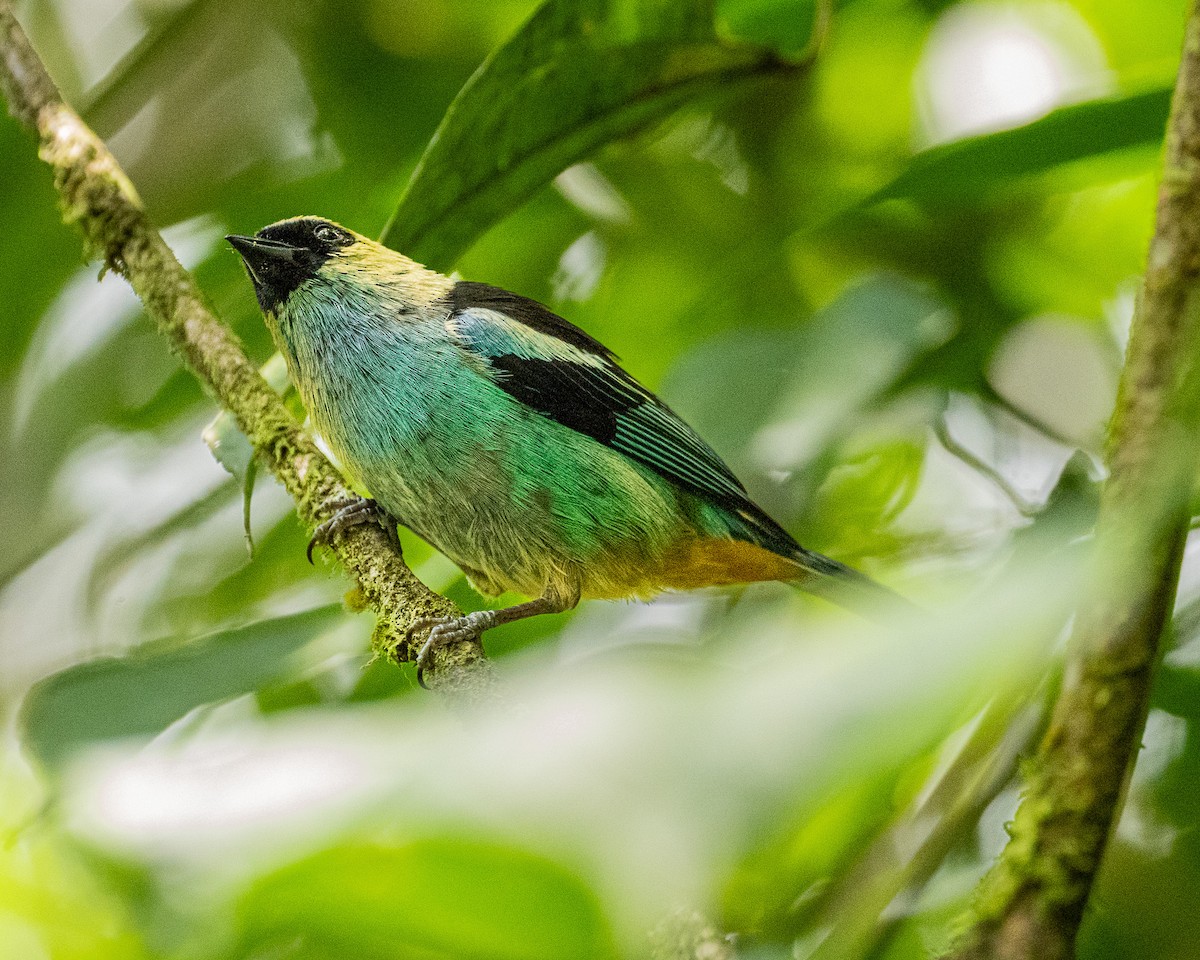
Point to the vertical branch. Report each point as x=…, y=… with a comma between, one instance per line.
x=1032, y=902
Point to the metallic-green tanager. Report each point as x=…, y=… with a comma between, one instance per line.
x=508, y=438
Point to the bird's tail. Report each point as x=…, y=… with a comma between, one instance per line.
x=724, y=560
x=782, y=558
x=824, y=577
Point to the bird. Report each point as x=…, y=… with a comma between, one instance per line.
x=508, y=438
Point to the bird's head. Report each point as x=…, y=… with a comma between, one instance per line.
x=281, y=257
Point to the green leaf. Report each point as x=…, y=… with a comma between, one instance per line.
x=144, y=692
x=577, y=75
x=970, y=167
x=435, y=898
x=802, y=857
x=771, y=22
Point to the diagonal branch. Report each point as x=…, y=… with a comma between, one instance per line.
x=1032, y=902
x=97, y=197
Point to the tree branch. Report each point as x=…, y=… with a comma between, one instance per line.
x=1031, y=903
x=97, y=197
x=901, y=860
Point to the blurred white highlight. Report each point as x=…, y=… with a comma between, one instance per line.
x=589, y=190
x=580, y=268
x=989, y=66
x=167, y=802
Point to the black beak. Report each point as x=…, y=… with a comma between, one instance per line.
x=260, y=253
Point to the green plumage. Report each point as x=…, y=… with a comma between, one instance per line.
x=518, y=500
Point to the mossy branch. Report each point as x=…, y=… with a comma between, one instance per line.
x=98, y=198
x=1032, y=902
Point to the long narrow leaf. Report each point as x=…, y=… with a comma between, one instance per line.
x=145, y=691
x=973, y=165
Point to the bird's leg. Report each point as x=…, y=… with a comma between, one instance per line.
x=350, y=512
x=449, y=630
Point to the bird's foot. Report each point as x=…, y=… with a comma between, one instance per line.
x=444, y=631
x=351, y=512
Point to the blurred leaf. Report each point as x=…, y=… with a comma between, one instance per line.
x=658, y=776
x=779, y=880
x=176, y=103
x=787, y=400
x=39, y=254
x=147, y=690
x=968, y=169
x=579, y=74
x=861, y=497
x=435, y=898
x=770, y=22
x=289, y=695
x=51, y=906
x=143, y=71
x=227, y=443
x=277, y=569
x=113, y=559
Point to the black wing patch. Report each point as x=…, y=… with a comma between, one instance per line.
x=558, y=370
x=561, y=391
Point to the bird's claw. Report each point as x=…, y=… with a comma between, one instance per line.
x=444, y=631
x=351, y=512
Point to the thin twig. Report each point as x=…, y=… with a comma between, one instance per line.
x=97, y=197
x=1031, y=903
x=1022, y=504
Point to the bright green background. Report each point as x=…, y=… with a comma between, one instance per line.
x=891, y=289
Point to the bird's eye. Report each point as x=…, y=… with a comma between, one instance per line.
x=330, y=235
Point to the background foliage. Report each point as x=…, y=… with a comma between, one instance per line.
x=891, y=289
